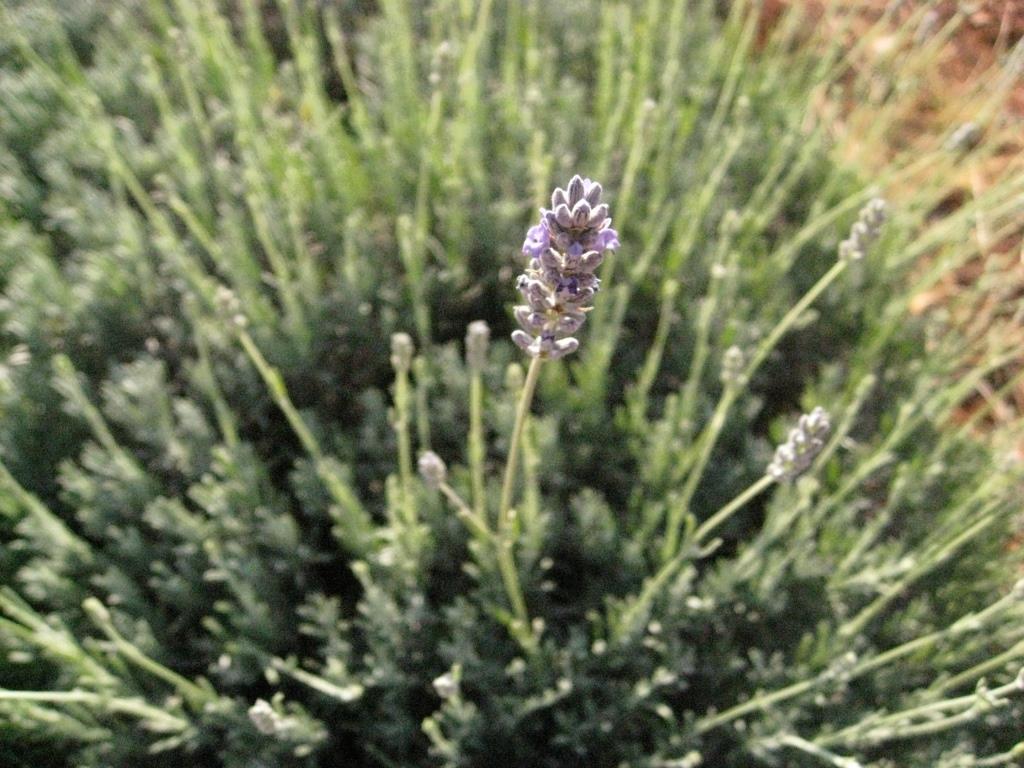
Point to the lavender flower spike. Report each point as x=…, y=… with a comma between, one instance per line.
x=805, y=442
x=558, y=283
x=864, y=231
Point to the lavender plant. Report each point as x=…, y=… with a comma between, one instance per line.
x=276, y=488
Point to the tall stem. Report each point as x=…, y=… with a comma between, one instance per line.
x=401, y=426
x=195, y=695
x=354, y=524
x=477, y=525
x=729, y=509
x=760, y=702
x=677, y=513
x=513, y=449
x=971, y=622
x=505, y=543
x=116, y=704
x=476, y=444
x=710, y=436
x=653, y=586
x=782, y=327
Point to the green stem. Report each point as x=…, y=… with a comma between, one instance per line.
x=474, y=522
x=815, y=750
x=790, y=318
x=978, y=670
x=115, y=705
x=354, y=524
x=857, y=624
x=343, y=693
x=52, y=530
x=207, y=381
x=421, y=369
x=760, y=702
x=476, y=444
x=706, y=314
x=897, y=725
x=506, y=557
x=638, y=398
x=678, y=512
x=971, y=622
x=1013, y=755
x=275, y=384
x=729, y=509
x=523, y=410
x=54, y=639
x=196, y=696
x=654, y=585
x=401, y=427
x=70, y=386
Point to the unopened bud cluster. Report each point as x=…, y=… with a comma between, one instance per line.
x=229, y=307
x=733, y=362
x=805, y=442
x=864, y=231
x=265, y=719
x=478, y=337
x=402, y=350
x=559, y=283
x=446, y=686
x=432, y=470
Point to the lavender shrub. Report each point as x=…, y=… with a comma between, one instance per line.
x=276, y=488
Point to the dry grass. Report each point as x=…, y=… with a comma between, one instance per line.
x=951, y=59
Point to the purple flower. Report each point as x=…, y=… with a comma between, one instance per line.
x=537, y=240
x=546, y=346
x=607, y=239
x=558, y=282
x=578, y=217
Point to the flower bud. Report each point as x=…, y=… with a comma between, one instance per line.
x=229, y=307
x=733, y=363
x=432, y=469
x=805, y=442
x=402, y=350
x=558, y=283
x=478, y=337
x=864, y=231
x=263, y=716
x=446, y=685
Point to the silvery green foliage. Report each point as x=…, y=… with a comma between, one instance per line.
x=212, y=554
